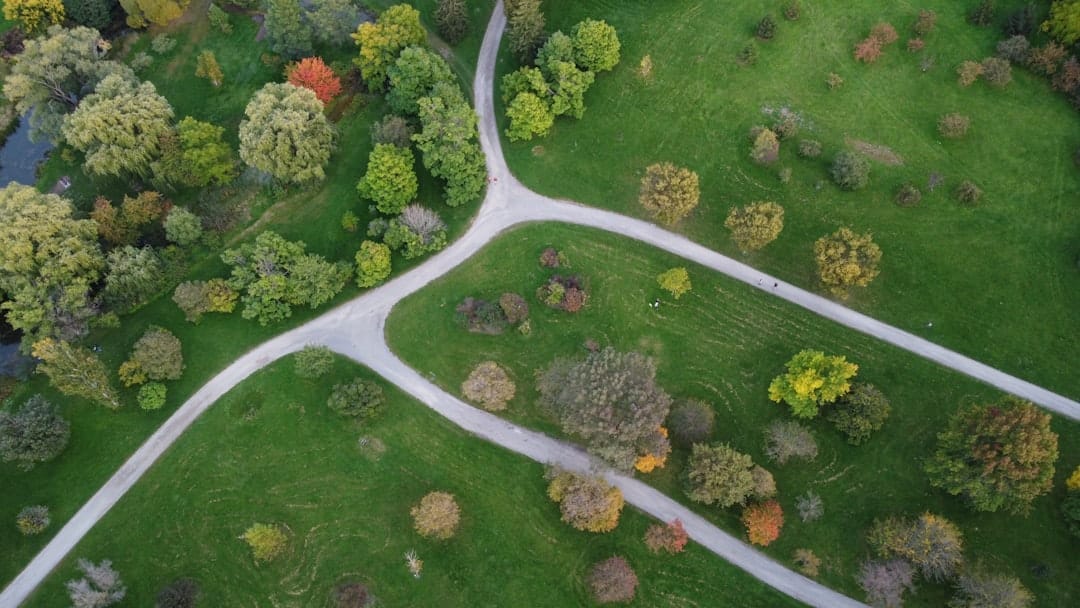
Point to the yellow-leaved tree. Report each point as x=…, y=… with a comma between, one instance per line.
x=34, y=15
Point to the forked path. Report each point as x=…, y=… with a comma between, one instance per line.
x=356, y=329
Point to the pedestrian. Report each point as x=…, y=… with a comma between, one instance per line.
x=759, y=282
x=775, y=285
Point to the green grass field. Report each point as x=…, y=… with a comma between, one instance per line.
x=298, y=464
x=998, y=282
x=723, y=343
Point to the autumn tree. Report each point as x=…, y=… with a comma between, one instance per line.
x=812, y=379
x=998, y=456
x=372, y=264
x=436, y=516
x=452, y=20
x=32, y=432
x=676, y=281
x=670, y=537
x=100, y=586
x=596, y=45
x=755, y=225
x=589, y=504
x=860, y=413
x=358, y=399
x=125, y=223
x=119, y=127
x=312, y=73
x=380, y=42
x=289, y=36
x=390, y=180
x=930, y=542
x=763, y=521
x=718, y=474
x=197, y=298
x=976, y=588
x=49, y=262
x=611, y=400
x=282, y=116
x=489, y=385
x=206, y=66
x=448, y=141
x=668, y=192
x=613, y=580
x=135, y=275
x=416, y=73
x=157, y=355
x=529, y=117
x=846, y=259
x=34, y=15
x=691, y=421
x=267, y=541
x=525, y=28
x=885, y=581
x=141, y=13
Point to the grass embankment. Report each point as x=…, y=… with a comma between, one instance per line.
x=723, y=343
x=999, y=282
x=271, y=451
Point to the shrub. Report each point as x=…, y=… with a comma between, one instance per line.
x=755, y=225
x=808, y=563
x=931, y=543
x=392, y=129
x=908, y=195
x=99, y=587
x=968, y=72
x=792, y=10
x=656, y=448
x=766, y=147
x=812, y=379
x=32, y=432
x=514, y=307
x=676, y=281
x=552, y=258
x=809, y=506
x=480, y=316
x=267, y=541
x=1070, y=510
x=968, y=193
x=719, y=475
x=747, y=56
x=158, y=354
x=1045, y=59
x=983, y=14
x=352, y=595
x=846, y=259
x=1014, y=49
x=670, y=537
x=313, y=361
x=787, y=439
x=359, y=398
x=978, y=589
x=850, y=171
x=860, y=413
x=162, y=44
x=152, y=396
x=489, y=385
x=691, y=421
x=868, y=51
x=914, y=45
x=996, y=72
x=350, y=221
x=885, y=581
x=764, y=483
x=32, y=520
x=563, y=293
x=589, y=504
x=373, y=264
x=436, y=516
x=763, y=522
x=884, y=33
x=668, y=192
x=925, y=22
x=809, y=148
x=1067, y=80
x=1072, y=483
x=834, y=81
x=766, y=28
x=181, y=593
x=613, y=580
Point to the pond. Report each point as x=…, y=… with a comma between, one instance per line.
x=19, y=157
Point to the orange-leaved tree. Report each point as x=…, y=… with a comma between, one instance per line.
x=763, y=521
x=312, y=73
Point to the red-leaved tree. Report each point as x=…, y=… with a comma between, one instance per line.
x=669, y=537
x=312, y=73
x=763, y=521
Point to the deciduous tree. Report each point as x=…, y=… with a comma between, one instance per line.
x=587, y=503
x=860, y=413
x=380, y=43
x=676, y=281
x=1064, y=21
x=207, y=66
x=312, y=73
x=34, y=15
x=529, y=117
x=846, y=259
x=158, y=354
x=372, y=264
x=436, y=516
x=159, y=12
x=885, y=581
x=267, y=541
x=930, y=542
x=286, y=134
x=332, y=21
x=718, y=474
x=812, y=379
x=289, y=36
x=449, y=144
x=100, y=586
x=452, y=20
x=976, y=588
x=763, y=521
x=32, y=432
x=755, y=225
x=668, y=192
x=670, y=537
x=787, y=439
x=359, y=398
x=418, y=231
x=691, y=421
x=850, y=171
x=489, y=385
x=313, y=362
x=525, y=28
x=415, y=74
x=613, y=580
x=389, y=180
x=135, y=275
x=183, y=227
x=596, y=45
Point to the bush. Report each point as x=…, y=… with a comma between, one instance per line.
x=763, y=522
x=563, y=293
x=792, y=10
x=359, y=398
x=808, y=563
x=983, y=14
x=914, y=45
x=670, y=537
x=182, y=227
x=1023, y=21
x=766, y=28
x=490, y=386
x=720, y=475
x=968, y=72
x=313, y=361
x=152, y=396
x=613, y=580
x=850, y=171
x=162, y=44
x=925, y=22
x=747, y=56
x=977, y=589
x=885, y=581
x=266, y=541
x=1045, y=59
x=514, y=307
x=32, y=520
x=352, y=595
x=860, y=413
x=968, y=193
x=690, y=422
x=1014, y=49
x=1067, y=80
x=764, y=483
x=809, y=506
x=766, y=147
x=372, y=264
x=552, y=258
x=834, y=81
x=996, y=72
x=908, y=195
x=589, y=504
x=181, y=593
x=676, y=281
x=436, y=516
x=668, y=192
x=884, y=33
x=480, y=316
x=809, y=148
x=33, y=432
x=100, y=586
x=868, y=50
x=787, y=439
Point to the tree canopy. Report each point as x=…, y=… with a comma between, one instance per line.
x=812, y=379
x=380, y=43
x=846, y=259
x=669, y=192
x=32, y=432
x=286, y=134
x=755, y=225
x=596, y=45
x=289, y=36
x=34, y=15
x=389, y=180
x=449, y=144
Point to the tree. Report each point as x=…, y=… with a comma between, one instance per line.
x=810, y=506
x=997, y=456
x=525, y=28
x=931, y=543
x=717, y=474
x=589, y=504
x=34, y=15
x=611, y=400
x=158, y=12
x=1064, y=21
x=978, y=589
x=983, y=14
x=381, y=42
x=206, y=66
x=91, y=13
x=32, y=432
x=612, y=580
x=676, y=281
x=181, y=593
x=392, y=129
x=668, y=192
x=75, y=371
x=436, y=516
x=860, y=413
x=53, y=72
x=451, y=152
x=596, y=45
x=489, y=385
x=755, y=225
x=198, y=297
x=808, y=563
x=670, y=537
x=32, y=520
x=846, y=259
x=567, y=88
x=118, y=126
x=691, y=421
x=135, y=275
x=312, y=73
x=183, y=227
x=766, y=28
x=289, y=36
x=885, y=582
x=415, y=74
x=389, y=180
x=514, y=307
x=332, y=21
x=766, y=147
x=313, y=362
x=152, y=396
x=418, y=230
x=219, y=19
x=559, y=48
x=100, y=586
x=529, y=117
x=954, y=125
x=850, y=171
x=125, y=225
x=158, y=355
x=1070, y=510
x=352, y=595
x=267, y=541
x=997, y=72
x=763, y=521
x=195, y=156
x=359, y=398
x=372, y=264
x=286, y=134
x=812, y=379
x=452, y=20
x=787, y=439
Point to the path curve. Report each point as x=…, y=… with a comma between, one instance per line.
x=357, y=329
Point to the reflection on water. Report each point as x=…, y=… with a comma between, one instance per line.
x=19, y=157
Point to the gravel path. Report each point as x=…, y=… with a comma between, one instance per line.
x=356, y=329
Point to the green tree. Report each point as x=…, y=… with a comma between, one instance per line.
x=389, y=180
x=1064, y=21
x=997, y=456
x=523, y=80
x=611, y=400
x=34, y=15
x=559, y=48
x=380, y=43
x=529, y=117
x=119, y=126
x=52, y=73
x=332, y=21
x=755, y=225
x=676, y=281
x=286, y=134
x=289, y=36
x=850, y=171
x=415, y=73
x=183, y=227
x=159, y=354
x=313, y=362
x=668, y=192
x=267, y=541
x=91, y=13
x=596, y=45
x=860, y=413
x=568, y=87
x=48, y=263
x=452, y=20
x=718, y=474
x=219, y=19
x=846, y=259
x=691, y=421
x=525, y=28
x=358, y=399
x=372, y=264
x=812, y=379
x=75, y=371
x=135, y=275
x=418, y=230
x=152, y=396
x=207, y=66
x=449, y=144
x=202, y=157
x=32, y=432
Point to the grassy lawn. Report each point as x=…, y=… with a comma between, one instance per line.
x=723, y=343
x=998, y=282
x=346, y=508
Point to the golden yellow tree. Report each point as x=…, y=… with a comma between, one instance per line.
x=846, y=259
x=34, y=15
x=206, y=66
x=676, y=281
x=755, y=225
x=669, y=192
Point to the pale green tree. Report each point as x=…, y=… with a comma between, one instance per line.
x=332, y=21
x=529, y=117
x=135, y=274
x=286, y=134
x=568, y=87
x=415, y=73
x=596, y=45
x=389, y=180
x=75, y=371
x=289, y=36
x=372, y=264
x=183, y=227
x=380, y=43
x=523, y=80
x=449, y=144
